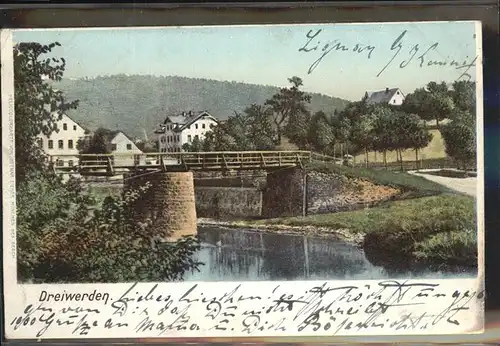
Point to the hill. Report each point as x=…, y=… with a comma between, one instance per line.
x=136, y=104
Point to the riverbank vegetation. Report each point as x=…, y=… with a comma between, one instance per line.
x=435, y=229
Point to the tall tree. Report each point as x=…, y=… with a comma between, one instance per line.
x=383, y=131
x=321, y=133
x=38, y=106
x=460, y=138
x=463, y=94
x=410, y=133
x=290, y=110
x=259, y=129
x=431, y=103
x=362, y=134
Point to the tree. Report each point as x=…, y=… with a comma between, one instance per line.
x=38, y=106
x=63, y=233
x=259, y=129
x=195, y=146
x=289, y=111
x=431, y=103
x=383, y=131
x=342, y=130
x=362, y=134
x=150, y=146
x=460, y=139
x=463, y=94
x=410, y=133
x=321, y=133
x=97, y=144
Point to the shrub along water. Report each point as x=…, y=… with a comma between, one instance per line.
x=428, y=230
x=65, y=235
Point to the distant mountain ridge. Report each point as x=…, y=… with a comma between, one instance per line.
x=136, y=104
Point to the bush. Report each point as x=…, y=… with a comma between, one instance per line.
x=458, y=247
x=420, y=233
x=66, y=237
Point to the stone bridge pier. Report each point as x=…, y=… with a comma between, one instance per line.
x=169, y=202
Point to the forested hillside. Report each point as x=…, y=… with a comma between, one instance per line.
x=136, y=104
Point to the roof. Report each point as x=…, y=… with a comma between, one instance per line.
x=110, y=135
x=383, y=96
x=186, y=120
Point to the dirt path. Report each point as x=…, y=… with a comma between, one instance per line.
x=463, y=185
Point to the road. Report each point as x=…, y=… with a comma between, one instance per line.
x=463, y=185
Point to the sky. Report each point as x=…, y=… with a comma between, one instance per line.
x=271, y=54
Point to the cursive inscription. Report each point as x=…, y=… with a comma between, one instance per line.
x=403, y=53
x=142, y=310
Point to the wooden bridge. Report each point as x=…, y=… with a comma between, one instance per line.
x=116, y=164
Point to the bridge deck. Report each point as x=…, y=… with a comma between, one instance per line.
x=112, y=164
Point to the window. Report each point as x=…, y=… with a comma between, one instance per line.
x=189, y=138
x=129, y=146
x=70, y=144
x=196, y=126
x=113, y=147
x=178, y=138
x=74, y=127
x=189, y=127
x=59, y=163
x=40, y=142
x=71, y=163
x=65, y=126
x=393, y=101
x=51, y=144
x=202, y=126
x=196, y=137
x=60, y=144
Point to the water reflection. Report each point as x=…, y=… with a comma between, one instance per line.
x=242, y=255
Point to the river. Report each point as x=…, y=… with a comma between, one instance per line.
x=243, y=255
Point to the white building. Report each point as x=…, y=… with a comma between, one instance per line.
x=61, y=145
x=394, y=97
x=178, y=130
x=126, y=151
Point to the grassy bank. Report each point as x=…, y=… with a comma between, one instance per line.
x=411, y=185
x=436, y=229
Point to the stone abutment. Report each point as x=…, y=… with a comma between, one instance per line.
x=169, y=202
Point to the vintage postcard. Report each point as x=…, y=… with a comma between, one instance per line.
x=243, y=181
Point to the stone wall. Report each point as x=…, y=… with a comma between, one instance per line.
x=284, y=193
x=169, y=202
x=329, y=193
x=228, y=202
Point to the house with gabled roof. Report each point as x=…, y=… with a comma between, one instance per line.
x=61, y=144
x=177, y=130
x=125, y=150
x=393, y=97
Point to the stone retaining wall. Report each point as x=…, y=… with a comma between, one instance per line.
x=228, y=202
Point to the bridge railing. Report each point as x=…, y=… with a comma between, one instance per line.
x=223, y=160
